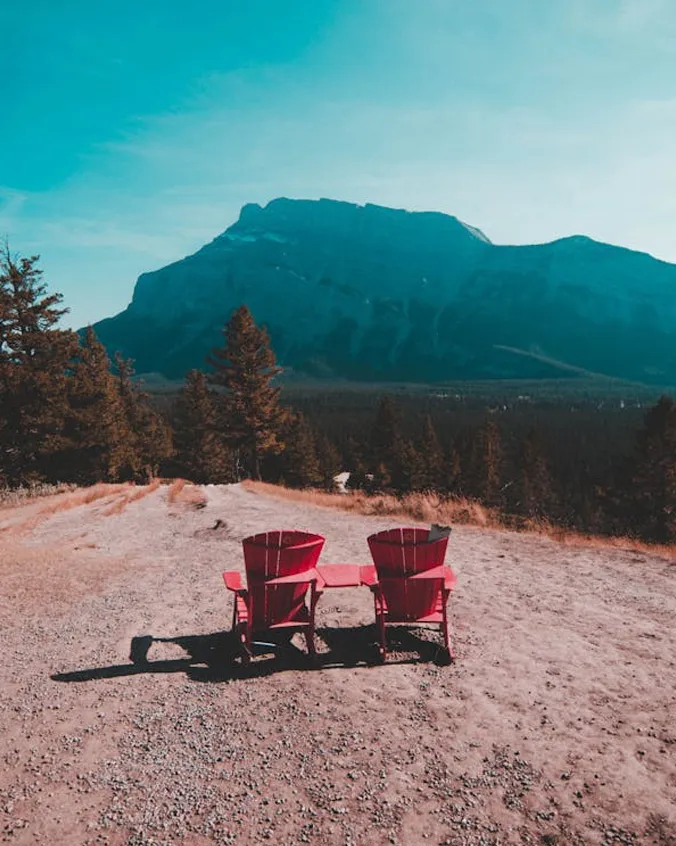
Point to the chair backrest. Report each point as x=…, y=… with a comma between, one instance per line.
x=399, y=553
x=269, y=555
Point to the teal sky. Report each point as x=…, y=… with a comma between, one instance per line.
x=132, y=133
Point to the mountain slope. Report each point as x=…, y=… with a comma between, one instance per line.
x=366, y=292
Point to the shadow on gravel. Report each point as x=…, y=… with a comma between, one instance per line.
x=214, y=657
x=350, y=647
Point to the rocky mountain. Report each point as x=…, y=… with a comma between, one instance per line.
x=373, y=293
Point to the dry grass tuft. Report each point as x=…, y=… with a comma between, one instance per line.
x=82, y=496
x=571, y=538
x=182, y=492
x=145, y=490
x=431, y=508
x=175, y=489
x=426, y=508
x=11, y=497
x=72, y=498
x=133, y=496
x=117, y=507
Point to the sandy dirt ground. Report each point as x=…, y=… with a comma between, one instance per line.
x=125, y=720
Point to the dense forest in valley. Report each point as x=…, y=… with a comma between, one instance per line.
x=603, y=463
x=580, y=450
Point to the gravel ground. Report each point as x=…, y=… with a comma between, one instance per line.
x=125, y=720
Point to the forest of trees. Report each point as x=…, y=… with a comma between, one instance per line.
x=69, y=414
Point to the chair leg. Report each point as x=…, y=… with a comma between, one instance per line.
x=310, y=630
x=241, y=631
x=380, y=617
x=246, y=644
x=447, y=640
x=310, y=640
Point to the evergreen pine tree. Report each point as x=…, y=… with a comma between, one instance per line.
x=380, y=481
x=35, y=358
x=431, y=458
x=387, y=446
x=408, y=470
x=330, y=464
x=654, y=477
x=201, y=454
x=532, y=492
x=386, y=435
x=245, y=366
x=587, y=510
x=300, y=467
x=356, y=465
x=452, y=480
x=616, y=506
x=95, y=429
x=398, y=466
x=148, y=438
x=485, y=466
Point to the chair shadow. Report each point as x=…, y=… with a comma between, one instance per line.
x=358, y=645
x=215, y=657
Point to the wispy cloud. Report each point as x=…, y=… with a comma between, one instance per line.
x=11, y=204
x=79, y=233
x=627, y=18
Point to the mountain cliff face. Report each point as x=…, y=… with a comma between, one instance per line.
x=372, y=293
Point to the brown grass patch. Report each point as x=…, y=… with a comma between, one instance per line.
x=570, y=538
x=183, y=492
x=425, y=508
x=117, y=507
x=175, y=489
x=65, y=502
x=11, y=497
x=145, y=490
x=431, y=508
x=83, y=496
x=133, y=496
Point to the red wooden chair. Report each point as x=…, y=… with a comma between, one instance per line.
x=409, y=581
x=280, y=569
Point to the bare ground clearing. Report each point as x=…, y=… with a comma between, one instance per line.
x=556, y=724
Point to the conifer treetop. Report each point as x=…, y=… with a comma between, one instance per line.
x=247, y=354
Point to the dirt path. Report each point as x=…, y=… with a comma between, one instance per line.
x=556, y=724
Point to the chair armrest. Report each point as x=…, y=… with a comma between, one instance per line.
x=368, y=575
x=438, y=572
x=233, y=582
x=441, y=572
x=298, y=579
x=450, y=579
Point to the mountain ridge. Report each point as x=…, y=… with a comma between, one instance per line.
x=369, y=292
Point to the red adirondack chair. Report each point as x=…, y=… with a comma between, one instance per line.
x=409, y=581
x=280, y=569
